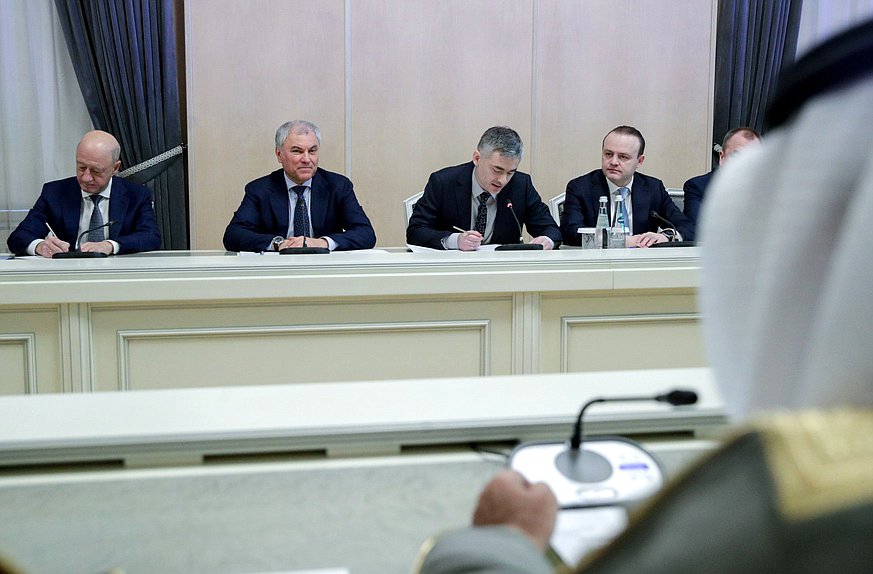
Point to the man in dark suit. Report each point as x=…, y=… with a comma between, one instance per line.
x=299, y=205
x=695, y=188
x=623, y=152
x=70, y=207
x=476, y=198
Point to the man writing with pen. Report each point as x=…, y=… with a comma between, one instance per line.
x=108, y=213
x=485, y=201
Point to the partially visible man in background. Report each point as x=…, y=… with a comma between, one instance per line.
x=695, y=188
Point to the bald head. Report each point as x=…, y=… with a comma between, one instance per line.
x=97, y=141
x=97, y=160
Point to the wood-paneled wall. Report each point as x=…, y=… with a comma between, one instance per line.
x=403, y=88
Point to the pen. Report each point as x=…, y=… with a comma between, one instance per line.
x=456, y=228
x=52, y=231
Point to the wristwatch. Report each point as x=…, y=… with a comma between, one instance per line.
x=277, y=241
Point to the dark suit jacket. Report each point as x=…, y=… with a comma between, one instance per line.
x=59, y=205
x=582, y=202
x=694, y=189
x=334, y=211
x=447, y=202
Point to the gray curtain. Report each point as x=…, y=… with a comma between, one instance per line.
x=124, y=55
x=755, y=40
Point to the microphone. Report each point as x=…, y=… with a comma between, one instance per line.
x=586, y=466
x=676, y=398
x=84, y=254
x=654, y=215
x=517, y=222
x=521, y=246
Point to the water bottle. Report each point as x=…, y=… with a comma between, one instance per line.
x=620, y=231
x=601, y=229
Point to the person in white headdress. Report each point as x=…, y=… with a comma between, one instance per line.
x=787, y=302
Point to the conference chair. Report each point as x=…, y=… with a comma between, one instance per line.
x=409, y=204
x=678, y=196
x=556, y=207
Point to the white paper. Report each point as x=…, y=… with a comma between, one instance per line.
x=583, y=530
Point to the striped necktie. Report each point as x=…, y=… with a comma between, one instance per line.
x=97, y=234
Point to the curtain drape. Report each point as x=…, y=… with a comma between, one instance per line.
x=124, y=55
x=42, y=113
x=755, y=40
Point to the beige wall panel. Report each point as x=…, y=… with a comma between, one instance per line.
x=30, y=351
x=427, y=78
x=14, y=356
x=253, y=65
x=317, y=354
x=604, y=64
x=613, y=333
x=163, y=347
x=637, y=342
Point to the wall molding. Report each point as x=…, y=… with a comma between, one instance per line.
x=28, y=342
x=126, y=337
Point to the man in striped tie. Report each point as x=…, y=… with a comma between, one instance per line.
x=109, y=214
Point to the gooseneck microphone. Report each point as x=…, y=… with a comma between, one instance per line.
x=587, y=465
x=669, y=225
x=517, y=222
x=676, y=398
x=521, y=245
x=655, y=215
x=84, y=254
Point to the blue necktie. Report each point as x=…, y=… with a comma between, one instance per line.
x=624, y=216
x=96, y=221
x=301, y=217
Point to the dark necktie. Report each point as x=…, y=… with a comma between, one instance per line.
x=482, y=214
x=301, y=217
x=96, y=221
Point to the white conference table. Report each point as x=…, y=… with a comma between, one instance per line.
x=296, y=476
x=191, y=319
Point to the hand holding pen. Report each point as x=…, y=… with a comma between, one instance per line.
x=51, y=244
x=468, y=240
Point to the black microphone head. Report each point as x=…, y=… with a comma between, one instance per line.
x=678, y=398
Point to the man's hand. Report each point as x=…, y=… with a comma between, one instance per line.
x=510, y=500
x=50, y=246
x=545, y=241
x=469, y=240
x=646, y=239
x=310, y=242
x=99, y=246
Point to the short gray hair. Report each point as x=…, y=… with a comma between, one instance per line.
x=115, y=151
x=298, y=127
x=503, y=140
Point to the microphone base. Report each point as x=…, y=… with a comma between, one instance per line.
x=80, y=255
x=674, y=244
x=605, y=471
x=583, y=466
x=519, y=247
x=304, y=251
